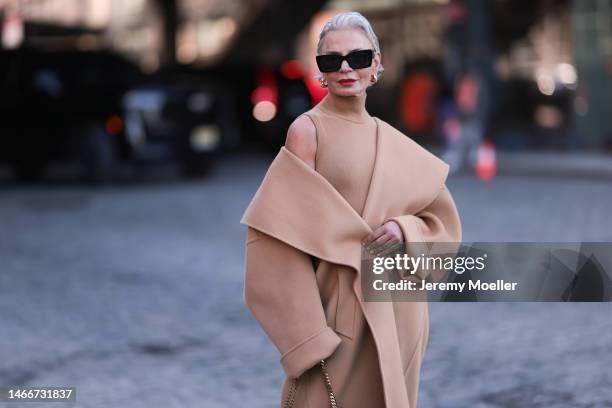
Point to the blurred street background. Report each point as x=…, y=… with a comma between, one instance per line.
x=133, y=134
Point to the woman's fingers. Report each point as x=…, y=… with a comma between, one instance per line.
x=381, y=240
x=395, y=229
x=378, y=243
x=385, y=245
x=378, y=232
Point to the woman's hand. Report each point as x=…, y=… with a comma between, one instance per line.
x=386, y=235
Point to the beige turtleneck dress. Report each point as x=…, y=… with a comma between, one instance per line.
x=345, y=156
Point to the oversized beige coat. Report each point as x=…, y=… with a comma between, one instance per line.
x=295, y=214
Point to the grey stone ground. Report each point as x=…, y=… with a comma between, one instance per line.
x=133, y=294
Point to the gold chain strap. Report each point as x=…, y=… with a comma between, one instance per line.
x=328, y=385
x=332, y=398
x=291, y=395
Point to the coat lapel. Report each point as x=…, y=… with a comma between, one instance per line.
x=297, y=205
x=405, y=179
x=375, y=171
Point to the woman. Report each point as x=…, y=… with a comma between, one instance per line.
x=344, y=181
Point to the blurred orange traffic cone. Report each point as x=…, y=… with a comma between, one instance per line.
x=486, y=162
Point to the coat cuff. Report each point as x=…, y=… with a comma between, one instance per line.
x=308, y=353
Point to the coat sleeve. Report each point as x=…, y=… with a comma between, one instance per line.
x=281, y=291
x=438, y=222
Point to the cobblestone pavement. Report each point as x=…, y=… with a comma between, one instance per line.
x=133, y=294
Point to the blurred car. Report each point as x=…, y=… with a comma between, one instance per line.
x=57, y=105
x=173, y=122
x=98, y=109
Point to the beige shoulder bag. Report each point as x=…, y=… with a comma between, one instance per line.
x=328, y=385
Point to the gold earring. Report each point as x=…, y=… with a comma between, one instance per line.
x=374, y=78
x=323, y=83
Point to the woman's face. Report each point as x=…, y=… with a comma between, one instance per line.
x=344, y=41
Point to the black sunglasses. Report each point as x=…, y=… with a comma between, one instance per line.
x=356, y=60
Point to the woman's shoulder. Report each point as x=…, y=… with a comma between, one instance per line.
x=302, y=139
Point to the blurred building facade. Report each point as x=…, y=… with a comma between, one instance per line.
x=592, y=38
x=546, y=65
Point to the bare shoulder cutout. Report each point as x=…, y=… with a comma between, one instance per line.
x=302, y=139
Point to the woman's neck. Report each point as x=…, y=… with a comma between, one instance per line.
x=351, y=107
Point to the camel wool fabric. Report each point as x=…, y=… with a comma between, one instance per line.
x=373, y=350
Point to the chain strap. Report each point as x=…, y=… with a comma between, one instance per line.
x=332, y=398
x=291, y=396
x=328, y=385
